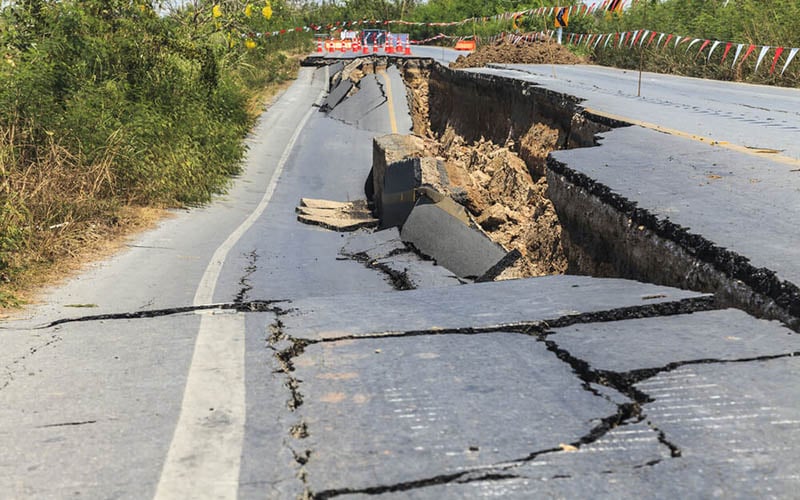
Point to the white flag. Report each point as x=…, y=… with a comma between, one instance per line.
x=789, y=59
x=714, y=46
x=736, y=57
x=764, y=51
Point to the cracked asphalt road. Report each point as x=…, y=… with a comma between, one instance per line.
x=238, y=355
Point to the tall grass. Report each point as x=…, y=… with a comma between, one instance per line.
x=104, y=105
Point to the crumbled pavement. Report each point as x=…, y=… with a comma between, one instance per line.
x=452, y=397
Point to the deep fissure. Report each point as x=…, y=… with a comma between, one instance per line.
x=597, y=231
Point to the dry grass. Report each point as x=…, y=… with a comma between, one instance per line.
x=57, y=215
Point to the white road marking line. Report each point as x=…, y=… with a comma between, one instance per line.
x=203, y=459
x=204, y=456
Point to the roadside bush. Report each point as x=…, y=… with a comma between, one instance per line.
x=106, y=104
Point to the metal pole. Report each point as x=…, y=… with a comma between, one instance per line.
x=641, y=53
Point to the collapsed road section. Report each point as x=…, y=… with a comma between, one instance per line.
x=562, y=385
x=486, y=140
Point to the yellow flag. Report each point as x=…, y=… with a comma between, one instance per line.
x=267, y=11
x=217, y=10
x=248, y=10
x=250, y=44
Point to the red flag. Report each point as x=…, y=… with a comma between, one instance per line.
x=669, y=37
x=705, y=44
x=652, y=37
x=727, y=49
x=778, y=53
x=750, y=49
x=615, y=5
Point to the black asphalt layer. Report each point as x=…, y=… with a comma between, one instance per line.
x=739, y=202
x=459, y=247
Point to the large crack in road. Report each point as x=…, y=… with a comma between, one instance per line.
x=630, y=412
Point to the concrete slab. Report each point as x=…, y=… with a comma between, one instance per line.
x=398, y=197
x=374, y=244
x=386, y=150
x=446, y=400
x=746, y=204
x=333, y=70
x=637, y=344
x=422, y=273
x=722, y=430
x=387, y=252
x=459, y=247
x=355, y=109
x=480, y=305
x=336, y=95
x=334, y=215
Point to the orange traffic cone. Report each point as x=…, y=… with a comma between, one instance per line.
x=408, y=47
x=389, y=49
x=319, y=46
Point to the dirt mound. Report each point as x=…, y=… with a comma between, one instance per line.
x=522, y=52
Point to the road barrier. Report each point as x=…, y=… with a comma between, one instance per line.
x=465, y=45
x=398, y=47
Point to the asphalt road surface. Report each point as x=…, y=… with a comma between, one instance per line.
x=234, y=351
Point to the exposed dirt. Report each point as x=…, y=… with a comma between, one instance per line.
x=496, y=185
x=523, y=52
x=505, y=200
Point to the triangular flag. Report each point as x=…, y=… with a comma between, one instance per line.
x=652, y=37
x=661, y=37
x=736, y=56
x=690, y=45
x=705, y=44
x=749, y=51
x=635, y=36
x=668, y=39
x=646, y=32
x=714, y=46
x=789, y=59
x=677, y=40
x=764, y=51
x=599, y=39
x=727, y=49
x=778, y=53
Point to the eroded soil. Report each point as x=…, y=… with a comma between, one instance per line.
x=495, y=184
x=505, y=51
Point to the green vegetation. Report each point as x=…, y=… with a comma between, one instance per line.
x=760, y=22
x=770, y=23
x=106, y=104
x=112, y=104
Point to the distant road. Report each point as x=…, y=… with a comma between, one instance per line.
x=754, y=117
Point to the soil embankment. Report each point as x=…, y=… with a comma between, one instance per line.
x=505, y=51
